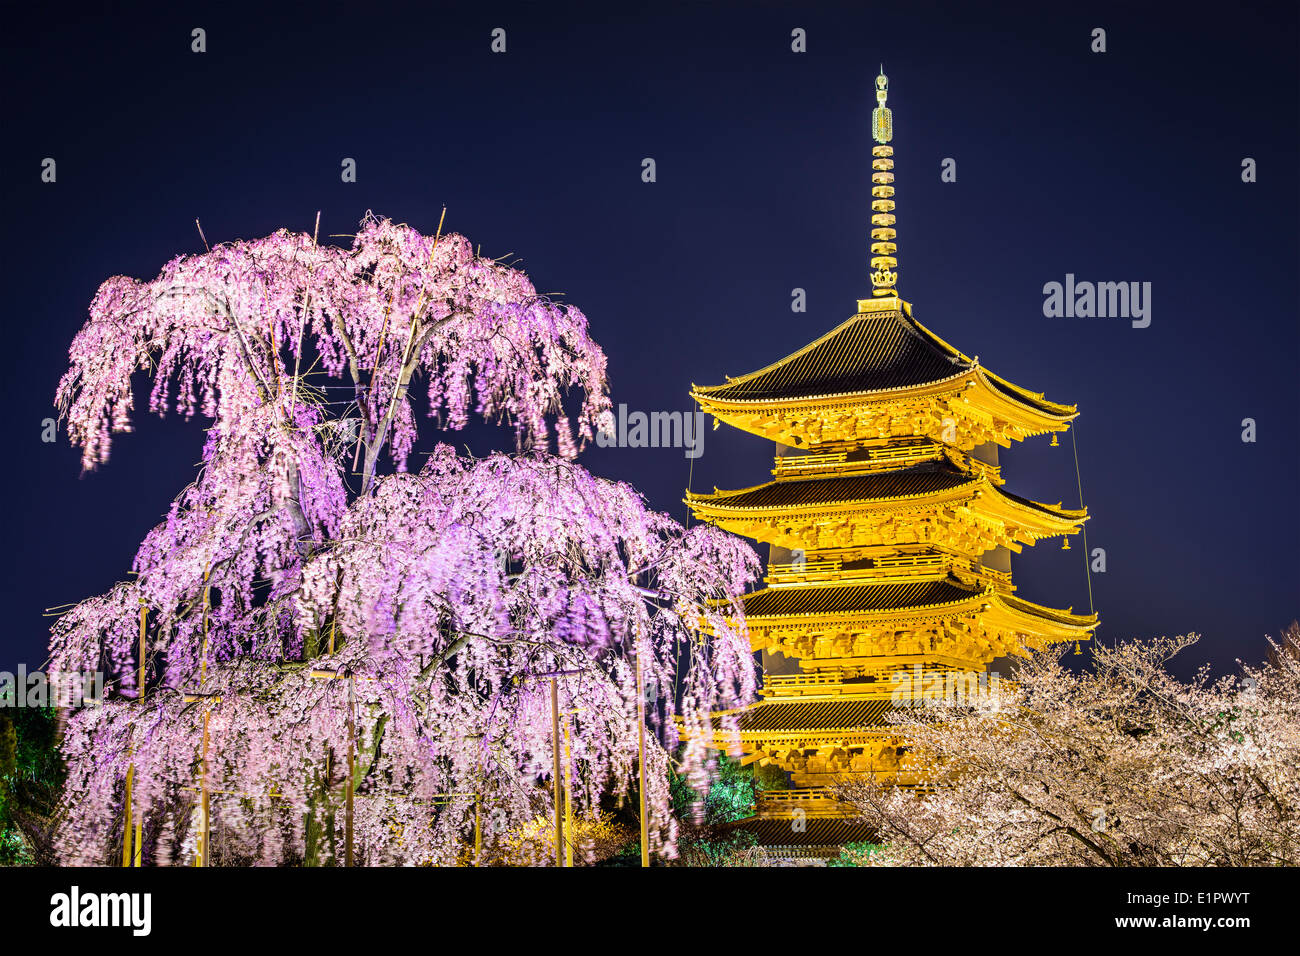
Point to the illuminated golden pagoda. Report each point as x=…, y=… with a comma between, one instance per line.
x=890, y=533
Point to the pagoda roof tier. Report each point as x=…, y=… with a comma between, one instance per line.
x=803, y=717
x=881, y=357
x=898, y=599
x=815, y=837
x=965, y=623
x=874, y=351
x=914, y=483
x=932, y=503
x=855, y=598
x=1066, y=617
x=777, y=726
x=839, y=489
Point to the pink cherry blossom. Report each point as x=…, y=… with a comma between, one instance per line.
x=300, y=605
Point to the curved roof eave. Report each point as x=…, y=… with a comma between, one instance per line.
x=927, y=353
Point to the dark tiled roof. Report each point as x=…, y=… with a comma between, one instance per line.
x=792, y=715
x=848, y=599
x=813, y=831
x=813, y=491
x=1022, y=395
x=873, y=350
x=1042, y=506
x=1051, y=614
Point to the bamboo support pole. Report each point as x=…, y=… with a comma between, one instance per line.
x=127, y=828
x=352, y=774
x=559, y=783
x=640, y=710
x=568, y=797
x=205, y=806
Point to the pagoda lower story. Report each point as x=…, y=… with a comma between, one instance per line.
x=854, y=646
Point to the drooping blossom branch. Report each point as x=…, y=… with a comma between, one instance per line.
x=437, y=601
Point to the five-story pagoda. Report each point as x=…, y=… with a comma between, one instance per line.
x=890, y=534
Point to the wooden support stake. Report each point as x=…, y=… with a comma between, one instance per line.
x=559, y=783
x=352, y=772
x=205, y=806
x=127, y=829
x=640, y=710
x=201, y=857
x=139, y=694
x=568, y=797
x=132, y=829
x=478, y=830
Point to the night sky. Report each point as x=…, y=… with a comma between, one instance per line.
x=1122, y=166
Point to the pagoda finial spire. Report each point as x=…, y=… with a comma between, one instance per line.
x=884, y=277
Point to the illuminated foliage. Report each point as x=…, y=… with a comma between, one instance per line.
x=417, y=617
x=30, y=778
x=1121, y=766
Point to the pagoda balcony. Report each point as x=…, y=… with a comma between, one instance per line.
x=909, y=565
x=823, y=684
x=889, y=567
x=852, y=459
x=798, y=572
x=892, y=567
x=804, y=466
x=829, y=682
x=780, y=804
x=863, y=681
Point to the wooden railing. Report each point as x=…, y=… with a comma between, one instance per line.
x=886, y=456
x=832, y=682
x=787, y=465
x=1003, y=576
x=803, y=571
x=876, y=459
x=824, y=684
x=777, y=681
x=908, y=564
x=993, y=471
x=809, y=799
x=909, y=560
x=888, y=566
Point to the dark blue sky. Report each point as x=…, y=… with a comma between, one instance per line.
x=1116, y=166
